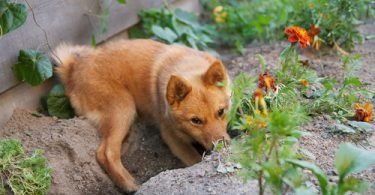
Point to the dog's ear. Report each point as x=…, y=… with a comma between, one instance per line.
x=215, y=74
x=178, y=88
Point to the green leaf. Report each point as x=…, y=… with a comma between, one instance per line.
x=93, y=41
x=353, y=81
x=186, y=17
x=352, y=184
x=350, y=159
x=32, y=67
x=58, y=103
x=262, y=62
x=319, y=174
x=12, y=16
x=122, y=1
x=165, y=34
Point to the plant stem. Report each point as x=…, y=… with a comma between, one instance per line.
x=260, y=182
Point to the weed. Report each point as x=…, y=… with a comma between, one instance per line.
x=21, y=173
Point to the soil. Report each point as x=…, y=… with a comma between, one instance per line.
x=70, y=144
x=70, y=147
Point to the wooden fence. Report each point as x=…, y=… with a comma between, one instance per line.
x=73, y=21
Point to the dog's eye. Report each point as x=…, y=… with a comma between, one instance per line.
x=220, y=113
x=196, y=121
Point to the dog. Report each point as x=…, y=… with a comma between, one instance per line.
x=185, y=92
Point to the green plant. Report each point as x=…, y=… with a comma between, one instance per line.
x=12, y=16
x=179, y=26
x=349, y=159
x=264, y=20
x=32, y=67
x=271, y=115
x=23, y=174
x=35, y=68
x=58, y=103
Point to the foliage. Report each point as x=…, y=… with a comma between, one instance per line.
x=23, y=174
x=349, y=159
x=270, y=118
x=58, y=103
x=179, y=26
x=264, y=20
x=12, y=16
x=32, y=67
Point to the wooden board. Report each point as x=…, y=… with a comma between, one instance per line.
x=65, y=21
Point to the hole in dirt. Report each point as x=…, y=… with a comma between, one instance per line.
x=146, y=155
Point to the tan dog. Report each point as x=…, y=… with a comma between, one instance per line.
x=184, y=91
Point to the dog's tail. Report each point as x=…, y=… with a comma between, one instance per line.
x=65, y=57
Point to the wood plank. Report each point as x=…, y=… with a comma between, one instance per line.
x=21, y=96
x=64, y=21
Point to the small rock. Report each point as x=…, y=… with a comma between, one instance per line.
x=77, y=178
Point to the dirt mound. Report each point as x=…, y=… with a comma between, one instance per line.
x=70, y=147
x=202, y=178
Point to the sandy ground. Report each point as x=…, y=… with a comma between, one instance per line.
x=70, y=145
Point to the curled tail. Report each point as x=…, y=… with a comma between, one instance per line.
x=65, y=57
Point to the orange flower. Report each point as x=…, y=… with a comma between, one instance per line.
x=305, y=82
x=266, y=81
x=314, y=31
x=251, y=121
x=259, y=99
x=363, y=113
x=298, y=34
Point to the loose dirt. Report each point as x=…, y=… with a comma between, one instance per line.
x=70, y=144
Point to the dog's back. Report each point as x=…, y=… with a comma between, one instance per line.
x=141, y=66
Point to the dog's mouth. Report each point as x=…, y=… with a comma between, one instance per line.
x=199, y=147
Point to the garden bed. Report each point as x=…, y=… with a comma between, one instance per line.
x=70, y=145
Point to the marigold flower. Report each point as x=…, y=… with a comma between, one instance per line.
x=251, y=121
x=304, y=82
x=218, y=9
x=259, y=99
x=266, y=81
x=314, y=31
x=363, y=113
x=298, y=34
x=220, y=14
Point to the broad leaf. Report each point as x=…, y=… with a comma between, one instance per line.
x=165, y=34
x=350, y=159
x=186, y=17
x=58, y=103
x=12, y=16
x=319, y=174
x=32, y=67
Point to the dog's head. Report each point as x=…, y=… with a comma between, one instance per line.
x=200, y=105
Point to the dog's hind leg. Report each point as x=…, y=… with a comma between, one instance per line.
x=118, y=116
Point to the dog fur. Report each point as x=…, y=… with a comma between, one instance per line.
x=183, y=91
